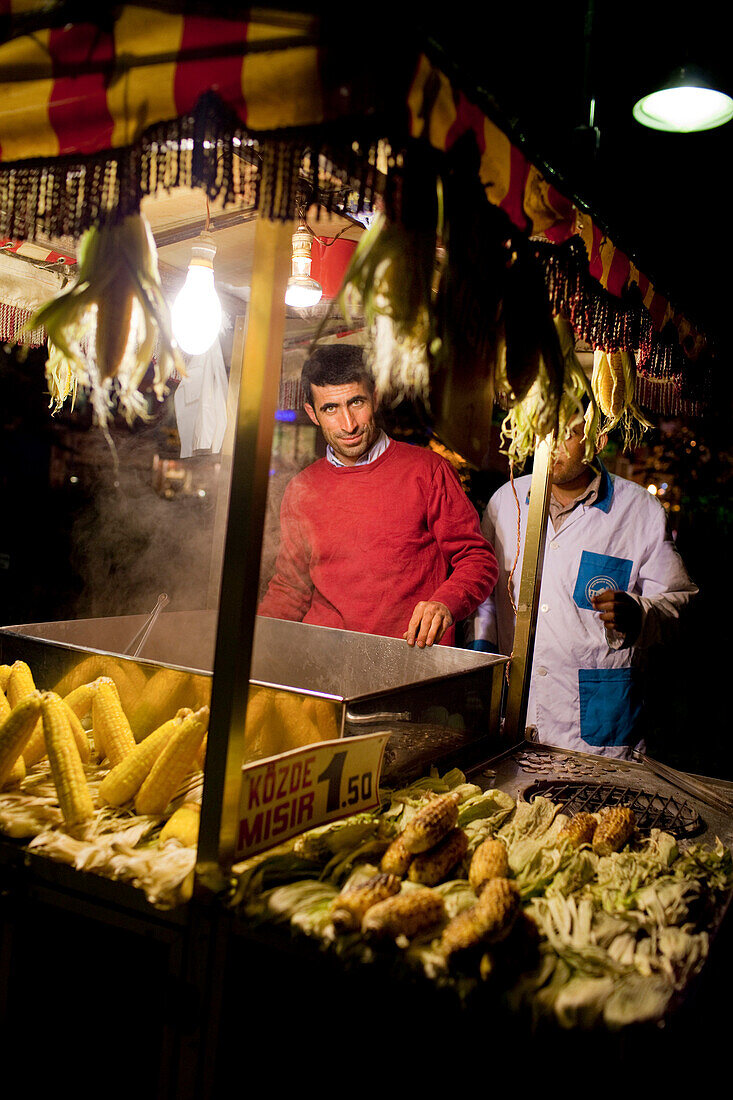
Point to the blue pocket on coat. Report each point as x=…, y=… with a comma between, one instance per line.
x=610, y=705
x=597, y=573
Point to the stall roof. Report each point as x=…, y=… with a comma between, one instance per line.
x=93, y=117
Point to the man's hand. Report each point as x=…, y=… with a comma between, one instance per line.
x=428, y=624
x=619, y=612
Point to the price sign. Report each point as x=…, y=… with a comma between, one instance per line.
x=287, y=794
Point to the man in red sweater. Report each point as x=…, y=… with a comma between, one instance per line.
x=378, y=536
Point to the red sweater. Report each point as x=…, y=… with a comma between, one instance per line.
x=362, y=545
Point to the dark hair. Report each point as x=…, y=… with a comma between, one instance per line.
x=333, y=365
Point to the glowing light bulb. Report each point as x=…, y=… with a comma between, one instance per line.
x=302, y=290
x=687, y=104
x=196, y=313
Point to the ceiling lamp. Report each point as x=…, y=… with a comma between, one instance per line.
x=196, y=313
x=685, y=104
x=302, y=290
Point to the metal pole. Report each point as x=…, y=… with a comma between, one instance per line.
x=261, y=364
x=520, y=669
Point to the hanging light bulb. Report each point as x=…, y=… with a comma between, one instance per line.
x=196, y=313
x=302, y=291
x=687, y=103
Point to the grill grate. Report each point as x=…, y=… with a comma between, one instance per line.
x=652, y=811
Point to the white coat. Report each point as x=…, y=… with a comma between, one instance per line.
x=586, y=685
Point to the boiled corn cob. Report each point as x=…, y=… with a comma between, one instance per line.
x=80, y=699
x=20, y=685
x=112, y=734
x=405, y=914
x=80, y=735
x=579, y=829
x=183, y=825
x=431, y=867
x=431, y=823
x=298, y=728
x=396, y=860
x=15, y=731
x=67, y=770
x=173, y=764
x=349, y=908
x=123, y=781
x=4, y=676
x=16, y=776
x=615, y=829
x=490, y=860
x=201, y=754
x=159, y=699
x=5, y=707
x=490, y=920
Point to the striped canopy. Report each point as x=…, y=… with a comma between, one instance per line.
x=94, y=116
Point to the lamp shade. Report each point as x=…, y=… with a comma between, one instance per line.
x=330, y=261
x=685, y=104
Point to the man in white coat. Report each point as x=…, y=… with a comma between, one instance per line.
x=613, y=583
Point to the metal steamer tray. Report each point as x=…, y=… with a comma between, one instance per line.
x=440, y=704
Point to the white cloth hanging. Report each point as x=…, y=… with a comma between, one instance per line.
x=201, y=403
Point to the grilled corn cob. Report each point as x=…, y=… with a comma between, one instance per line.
x=67, y=770
x=112, y=733
x=396, y=860
x=431, y=823
x=431, y=867
x=490, y=860
x=349, y=908
x=579, y=829
x=615, y=829
x=124, y=780
x=172, y=765
x=490, y=920
x=183, y=825
x=405, y=914
x=15, y=730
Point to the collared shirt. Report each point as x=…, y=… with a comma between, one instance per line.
x=559, y=512
x=378, y=448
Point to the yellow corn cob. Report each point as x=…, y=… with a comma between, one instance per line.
x=405, y=914
x=396, y=860
x=172, y=765
x=430, y=824
x=618, y=372
x=20, y=685
x=615, y=829
x=431, y=867
x=183, y=825
x=323, y=714
x=489, y=861
x=67, y=770
x=602, y=381
x=579, y=829
x=15, y=731
x=349, y=908
x=158, y=701
x=5, y=707
x=16, y=776
x=112, y=731
x=80, y=699
x=80, y=735
x=4, y=676
x=298, y=729
x=123, y=781
x=201, y=754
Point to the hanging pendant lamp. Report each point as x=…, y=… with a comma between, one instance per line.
x=686, y=104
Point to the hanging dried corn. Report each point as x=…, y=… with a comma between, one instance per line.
x=613, y=382
x=105, y=327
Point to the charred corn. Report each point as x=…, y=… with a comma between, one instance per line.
x=67, y=770
x=183, y=825
x=349, y=908
x=124, y=780
x=579, y=829
x=15, y=730
x=490, y=860
x=405, y=914
x=396, y=860
x=431, y=867
x=112, y=733
x=431, y=823
x=490, y=920
x=615, y=829
x=173, y=764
